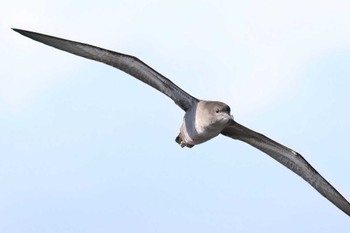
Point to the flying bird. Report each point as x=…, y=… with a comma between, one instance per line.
x=203, y=120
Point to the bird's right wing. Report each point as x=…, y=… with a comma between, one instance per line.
x=126, y=63
x=289, y=158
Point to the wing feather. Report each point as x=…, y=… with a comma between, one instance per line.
x=289, y=158
x=124, y=62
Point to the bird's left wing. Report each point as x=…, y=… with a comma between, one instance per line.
x=126, y=63
x=289, y=158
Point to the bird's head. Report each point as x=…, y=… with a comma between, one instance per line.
x=217, y=113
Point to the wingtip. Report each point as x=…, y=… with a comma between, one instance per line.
x=20, y=31
x=24, y=32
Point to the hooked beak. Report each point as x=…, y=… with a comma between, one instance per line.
x=230, y=117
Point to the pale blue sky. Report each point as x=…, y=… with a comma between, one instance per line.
x=76, y=156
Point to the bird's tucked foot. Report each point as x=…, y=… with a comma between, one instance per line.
x=181, y=142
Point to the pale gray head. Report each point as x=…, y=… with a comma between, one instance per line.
x=216, y=112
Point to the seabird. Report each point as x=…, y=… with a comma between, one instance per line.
x=203, y=119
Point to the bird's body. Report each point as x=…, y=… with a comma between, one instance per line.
x=203, y=120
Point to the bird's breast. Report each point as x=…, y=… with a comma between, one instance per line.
x=197, y=129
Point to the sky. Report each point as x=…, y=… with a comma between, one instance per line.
x=87, y=148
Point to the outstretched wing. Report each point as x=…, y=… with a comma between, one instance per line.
x=126, y=63
x=289, y=158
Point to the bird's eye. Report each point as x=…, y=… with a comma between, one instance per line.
x=228, y=109
x=217, y=110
